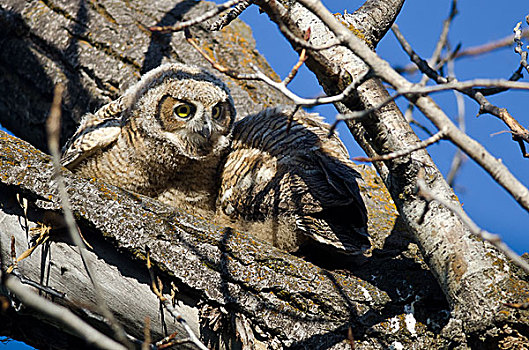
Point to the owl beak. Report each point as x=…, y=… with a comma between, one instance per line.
x=206, y=131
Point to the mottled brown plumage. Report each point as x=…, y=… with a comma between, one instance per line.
x=164, y=138
x=168, y=137
x=290, y=186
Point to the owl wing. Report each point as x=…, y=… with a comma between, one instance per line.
x=96, y=131
x=301, y=173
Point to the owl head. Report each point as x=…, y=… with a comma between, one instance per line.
x=183, y=107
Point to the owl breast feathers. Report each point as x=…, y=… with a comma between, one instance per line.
x=299, y=180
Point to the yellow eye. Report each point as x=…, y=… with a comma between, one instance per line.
x=216, y=112
x=183, y=111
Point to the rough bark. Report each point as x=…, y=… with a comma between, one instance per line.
x=98, y=49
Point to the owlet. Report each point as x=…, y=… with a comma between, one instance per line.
x=164, y=138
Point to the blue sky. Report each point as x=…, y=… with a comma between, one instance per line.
x=478, y=22
x=10, y=344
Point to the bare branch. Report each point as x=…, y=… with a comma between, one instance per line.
x=302, y=58
x=192, y=338
x=468, y=88
x=146, y=334
x=231, y=15
x=304, y=101
x=493, y=239
x=486, y=48
x=422, y=64
x=53, y=127
x=61, y=314
x=417, y=90
x=279, y=86
x=458, y=159
x=435, y=60
x=199, y=19
x=453, y=84
x=441, y=43
x=41, y=239
x=421, y=145
x=473, y=50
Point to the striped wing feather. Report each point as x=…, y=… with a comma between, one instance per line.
x=96, y=132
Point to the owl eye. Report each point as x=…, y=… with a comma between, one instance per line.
x=216, y=112
x=184, y=110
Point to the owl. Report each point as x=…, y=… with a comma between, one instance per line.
x=290, y=183
x=164, y=137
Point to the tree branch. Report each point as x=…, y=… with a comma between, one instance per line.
x=61, y=314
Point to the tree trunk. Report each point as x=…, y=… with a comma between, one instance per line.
x=232, y=290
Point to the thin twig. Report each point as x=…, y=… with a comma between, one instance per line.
x=61, y=315
x=351, y=338
x=454, y=84
x=488, y=47
x=469, y=89
x=356, y=115
x=420, y=145
x=199, y=19
x=231, y=15
x=48, y=290
x=455, y=166
x=495, y=240
x=458, y=159
x=157, y=289
x=301, y=60
x=230, y=72
x=473, y=50
x=422, y=127
x=291, y=117
x=53, y=127
x=280, y=86
x=13, y=254
x=435, y=60
x=146, y=345
x=416, y=89
x=166, y=340
x=441, y=43
x=306, y=102
x=41, y=239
